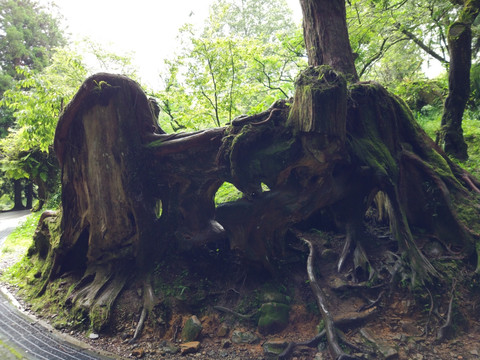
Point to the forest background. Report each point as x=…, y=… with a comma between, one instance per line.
x=243, y=56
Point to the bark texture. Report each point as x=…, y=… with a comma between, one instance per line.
x=131, y=194
x=460, y=50
x=326, y=35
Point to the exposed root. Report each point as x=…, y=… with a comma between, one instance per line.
x=149, y=301
x=320, y=298
x=346, y=251
x=310, y=343
x=429, y=312
x=443, y=330
x=373, y=303
x=242, y=316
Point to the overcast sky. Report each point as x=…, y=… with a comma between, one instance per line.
x=148, y=28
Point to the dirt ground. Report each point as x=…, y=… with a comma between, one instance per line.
x=379, y=318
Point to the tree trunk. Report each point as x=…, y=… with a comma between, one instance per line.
x=29, y=194
x=330, y=152
x=17, y=195
x=326, y=35
x=460, y=50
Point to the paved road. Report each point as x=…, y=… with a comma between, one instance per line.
x=9, y=221
x=20, y=336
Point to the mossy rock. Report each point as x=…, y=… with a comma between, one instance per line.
x=192, y=329
x=273, y=318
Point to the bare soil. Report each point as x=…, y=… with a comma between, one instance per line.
x=403, y=324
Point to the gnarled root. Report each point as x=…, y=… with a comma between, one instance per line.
x=320, y=298
x=149, y=301
x=96, y=292
x=443, y=330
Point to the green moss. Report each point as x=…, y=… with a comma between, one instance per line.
x=273, y=318
x=226, y=193
x=373, y=152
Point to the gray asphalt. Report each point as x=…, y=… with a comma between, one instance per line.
x=9, y=221
x=21, y=337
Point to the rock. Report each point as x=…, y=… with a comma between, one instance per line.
x=192, y=329
x=474, y=352
x=138, y=353
x=274, y=347
x=239, y=337
x=319, y=356
x=223, y=330
x=410, y=328
x=388, y=353
x=189, y=347
x=226, y=344
x=273, y=318
x=93, y=336
x=169, y=348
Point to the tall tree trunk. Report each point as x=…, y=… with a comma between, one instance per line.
x=29, y=194
x=460, y=50
x=326, y=35
x=17, y=195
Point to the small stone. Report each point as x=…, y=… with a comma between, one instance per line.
x=93, y=336
x=138, y=353
x=223, y=330
x=189, y=347
x=240, y=337
x=319, y=356
x=226, y=344
x=274, y=346
x=474, y=352
x=169, y=348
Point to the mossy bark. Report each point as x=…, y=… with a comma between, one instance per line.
x=459, y=39
x=330, y=151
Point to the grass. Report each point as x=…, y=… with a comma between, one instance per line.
x=429, y=119
x=18, y=242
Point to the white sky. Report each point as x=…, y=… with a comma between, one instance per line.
x=146, y=28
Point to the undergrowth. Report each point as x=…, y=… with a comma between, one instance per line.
x=429, y=118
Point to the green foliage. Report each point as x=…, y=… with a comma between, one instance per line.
x=392, y=38
x=421, y=92
x=245, y=57
x=36, y=102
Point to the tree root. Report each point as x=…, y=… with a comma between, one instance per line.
x=320, y=297
x=443, y=330
x=310, y=343
x=149, y=301
x=242, y=316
